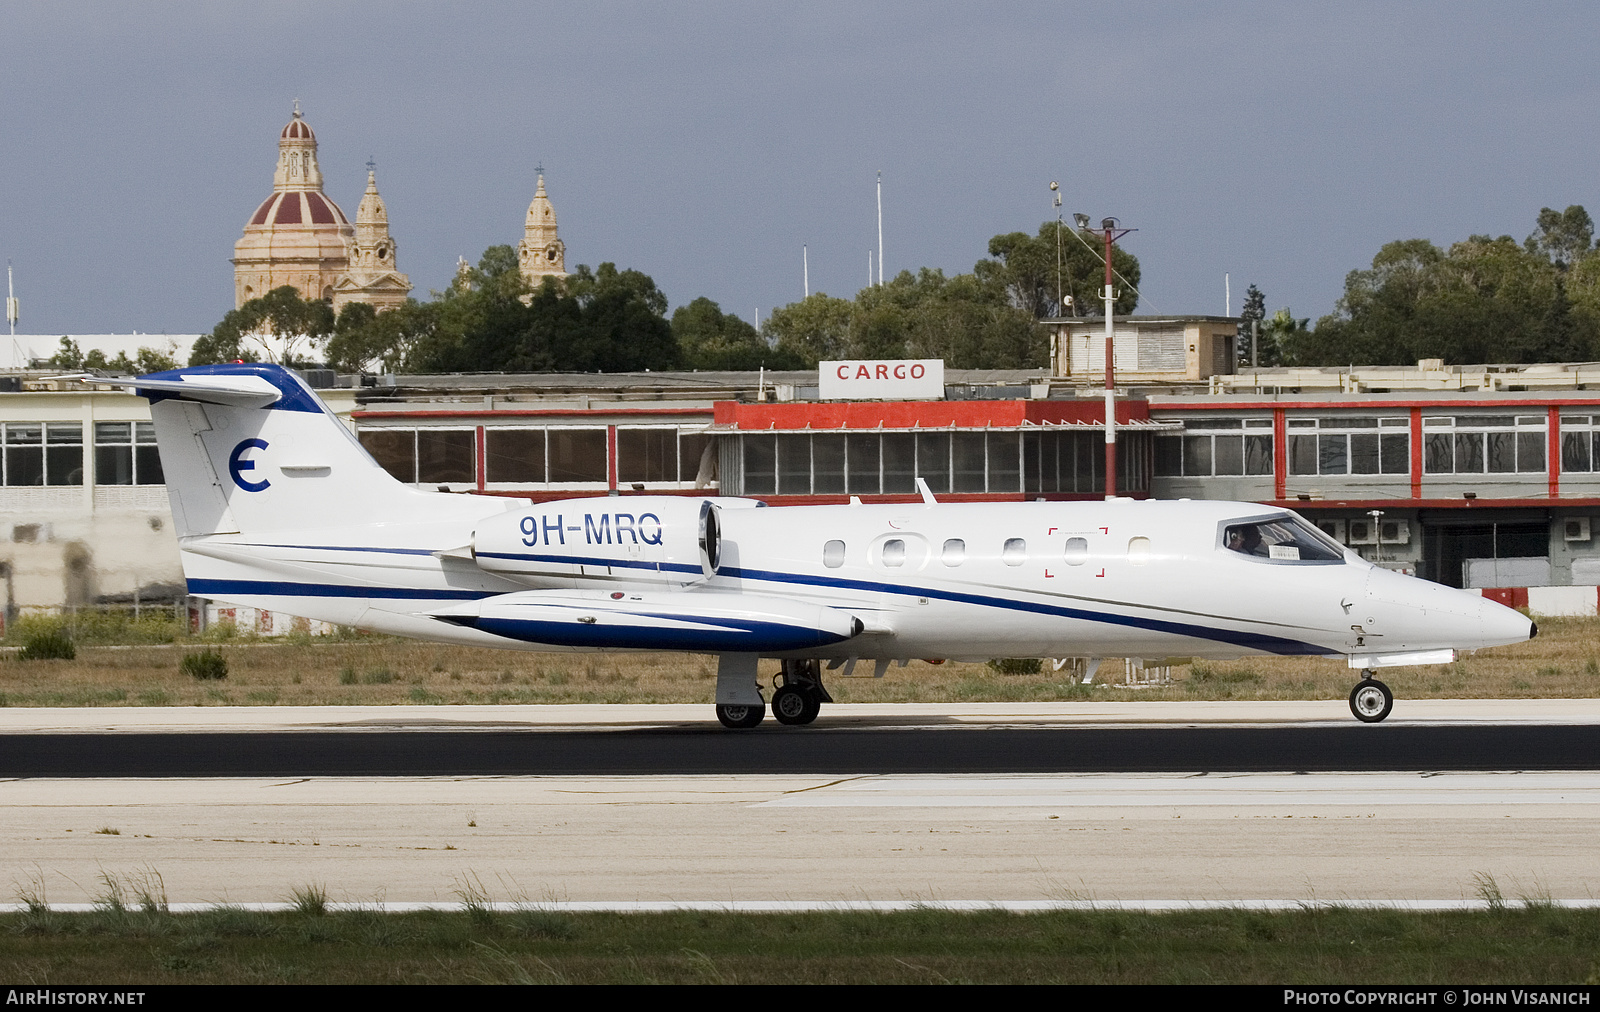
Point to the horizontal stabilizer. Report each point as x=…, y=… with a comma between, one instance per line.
x=616, y=620
x=239, y=390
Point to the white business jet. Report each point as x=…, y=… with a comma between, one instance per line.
x=278, y=506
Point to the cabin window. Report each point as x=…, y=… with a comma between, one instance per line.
x=1138, y=551
x=833, y=554
x=1077, y=551
x=1015, y=552
x=894, y=552
x=955, y=552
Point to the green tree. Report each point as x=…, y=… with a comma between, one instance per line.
x=813, y=330
x=1254, y=312
x=68, y=355
x=1486, y=299
x=1563, y=237
x=1283, y=338
x=490, y=320
x=295, y=325
x=708, y=338
x=1026, y=268
x=967, y=322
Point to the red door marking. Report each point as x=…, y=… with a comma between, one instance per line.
x=1101, y=573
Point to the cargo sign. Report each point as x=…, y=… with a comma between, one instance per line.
x=881, y=379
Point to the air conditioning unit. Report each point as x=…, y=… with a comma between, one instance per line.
x=1334, y=529
x=1575, y=528
x=1394, y=532
x=1362, y=532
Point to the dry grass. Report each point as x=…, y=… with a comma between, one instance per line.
x=1563, y=662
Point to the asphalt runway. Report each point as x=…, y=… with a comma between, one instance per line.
x=1151, y=804
x=818, y=750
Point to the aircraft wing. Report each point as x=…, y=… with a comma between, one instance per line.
x=622, y=620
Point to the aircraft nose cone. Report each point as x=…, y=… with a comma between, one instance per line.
x=1501, y=625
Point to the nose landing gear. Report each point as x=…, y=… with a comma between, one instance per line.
x=1370, y=700
x=799, y=693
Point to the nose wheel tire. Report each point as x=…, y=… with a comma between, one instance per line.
x=741, y=716
x=793, y=705
x=1371, y=701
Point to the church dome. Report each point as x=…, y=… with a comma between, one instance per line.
x=297, y=236
x=298, y=129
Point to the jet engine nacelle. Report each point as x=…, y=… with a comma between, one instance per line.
x=674, y=620
x=665, y=540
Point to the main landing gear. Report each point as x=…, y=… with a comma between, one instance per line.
x=741, y=716
x=799, y=695
x=1370, y=700
x=797, y=698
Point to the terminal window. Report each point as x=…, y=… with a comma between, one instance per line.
x=877, y=463
x=1483, y=444
x=1580, y=443
x=423, y=456
x=1216, y=446
x=1352, y=444
x=43, y=453
x=125, y=454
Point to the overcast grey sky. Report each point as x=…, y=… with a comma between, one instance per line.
x=704, y=143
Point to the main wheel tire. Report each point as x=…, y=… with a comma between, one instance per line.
x=1371, y=701
x=792, y=705
x=813, y=707
x=740, y=716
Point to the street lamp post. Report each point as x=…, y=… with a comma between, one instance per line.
x=1111, y=231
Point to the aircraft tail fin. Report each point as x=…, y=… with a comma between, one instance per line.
x=248, y=448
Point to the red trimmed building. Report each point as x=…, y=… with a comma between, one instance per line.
x=1484, y=476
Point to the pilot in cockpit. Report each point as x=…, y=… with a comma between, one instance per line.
x=1246, y=539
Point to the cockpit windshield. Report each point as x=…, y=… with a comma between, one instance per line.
x=1281, y=539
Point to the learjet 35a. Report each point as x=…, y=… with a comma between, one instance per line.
x=277, y=506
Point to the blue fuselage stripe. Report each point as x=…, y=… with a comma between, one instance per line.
x=280, y=588
x=1253, y=640
x=1241, y=638
x=740, y=637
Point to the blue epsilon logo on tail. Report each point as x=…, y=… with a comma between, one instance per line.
x=235, y=465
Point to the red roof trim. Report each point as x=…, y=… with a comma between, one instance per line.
x=1522, y=399
x=531, y=413
x=1431, y=504
x=917, y=414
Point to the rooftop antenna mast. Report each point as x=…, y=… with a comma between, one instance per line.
x=880, y=226
x=11, y=301
x=805, y=267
